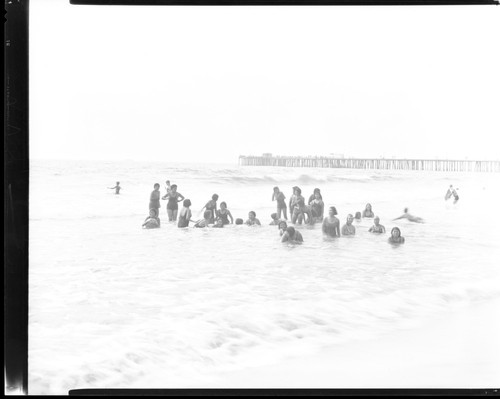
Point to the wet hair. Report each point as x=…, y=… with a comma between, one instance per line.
x=253, y=213
x=357, y=215
x=186, y=203
x=396, y=229
x=215, y=197
x=156, y=185
x=274, y=216
x=290, y=230
x=207, y=214
x=238, y=221
x=153, y=212
x=282, y=223
x=334, y=210
x=173, y=186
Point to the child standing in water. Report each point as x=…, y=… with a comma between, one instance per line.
x=117, y=188
x=173, y=202
x=212, y=207
x=154, y=199
x=185, y=215
x=280, y=202
x=224, y=214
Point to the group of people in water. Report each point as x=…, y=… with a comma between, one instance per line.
x=300, y=212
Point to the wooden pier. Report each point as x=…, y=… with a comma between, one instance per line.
x=438, y=165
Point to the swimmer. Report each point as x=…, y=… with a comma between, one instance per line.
x=331, y=225
x=173, y=202
x=206, y=219
x=275, y=220
x=218, y=223
x=317, y=206
x=410, y=217
x=152, y=221
x=280, y=202
x=224, y=214
x=377, y=227
x=357, y=216
x=212, y=207
x=292, y=235
x=154, y=199
x=167, y=186
x=395, y=237
x=238, y=221
x=117, y=188
x=185, y=214
x=252, y=220
x=348, y=229
x=313, y=196
x=282, y=227
x=368, y=213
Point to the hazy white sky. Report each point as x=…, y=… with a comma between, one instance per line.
x=211, y=83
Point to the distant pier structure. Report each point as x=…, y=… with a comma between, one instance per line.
x=370, y=163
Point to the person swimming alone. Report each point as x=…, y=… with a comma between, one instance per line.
x=377, y=227
x=410, y=217
x=291, y=235
x=274, y=219
x=117, y=188
x=396, y=237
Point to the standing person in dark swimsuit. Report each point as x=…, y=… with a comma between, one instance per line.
x=173, y=202
x=224, y=214
x=185, y=214
x=212, y=207
x=280, y=202
x=154, y=199
x=331, y=225
x=117, y=188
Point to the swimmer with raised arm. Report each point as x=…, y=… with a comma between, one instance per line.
x=212, y=207
x=331, y=225
x=368, y=213
x=377, y=227
x=185, y=214
x=252, y=220
x=152, y=221
x=173, y=202
x=410, y=217
x=279, y=197
x=291, y=235
x=117, y=188
x=396, y=237
x=224, y=214
x=348, y=229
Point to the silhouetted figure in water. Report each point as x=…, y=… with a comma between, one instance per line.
x=410, y=217
x=117, y=188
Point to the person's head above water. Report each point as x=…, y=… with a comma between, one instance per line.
x=186, y=203
x=282, y=225
x=291, y=231
x=223, y=205
x=332, y=211
x=298, y=191
x=153, y=212
x=252, y=215
x=215, y=197
x=173, y=187
x=156, y=186
x=207, y=214
x=219, y=223
x=238, y=221
x=376, y=220
x=395, y=232
x=317, y=190
x=368, y=207
x=349, y=218
x=274, y=216
x=357, y=215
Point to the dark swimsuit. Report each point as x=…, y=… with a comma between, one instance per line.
x=330, y=228
x=154, y=201
x=223, y=217
x=172, y=203
x=183, y=220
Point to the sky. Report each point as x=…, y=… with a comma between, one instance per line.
x=207, y=84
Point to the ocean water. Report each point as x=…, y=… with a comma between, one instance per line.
x=114, y=305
